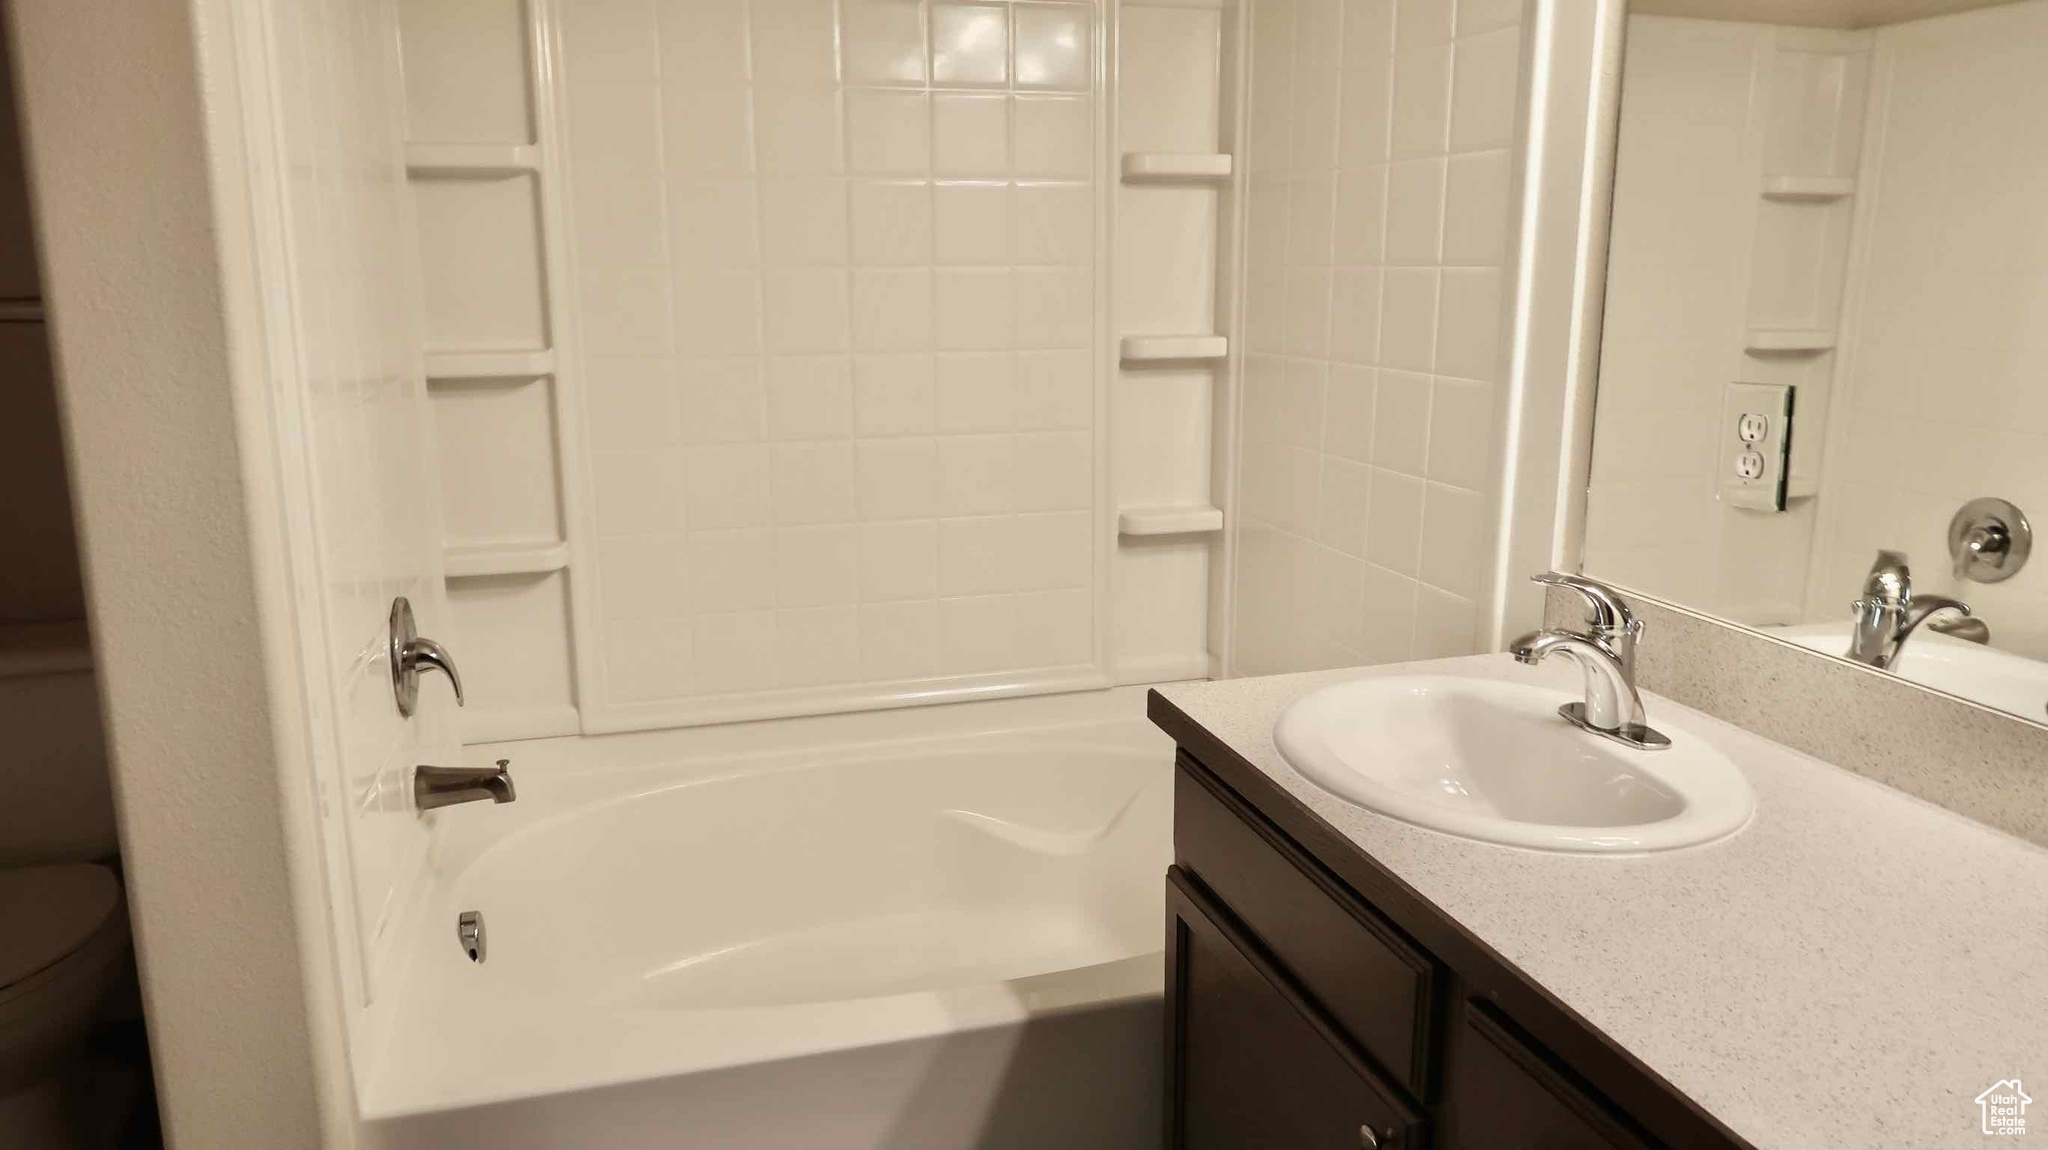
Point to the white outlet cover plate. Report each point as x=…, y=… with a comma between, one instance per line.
x=1765, y=491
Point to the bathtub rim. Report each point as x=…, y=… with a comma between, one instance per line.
x=646, y=1046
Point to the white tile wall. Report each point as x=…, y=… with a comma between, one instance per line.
x=841, y=391
x=1381, y=161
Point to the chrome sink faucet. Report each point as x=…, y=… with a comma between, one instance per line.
x=1606, y=654
x=1888, y=613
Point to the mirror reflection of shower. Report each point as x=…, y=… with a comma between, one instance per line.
x=1815, y=351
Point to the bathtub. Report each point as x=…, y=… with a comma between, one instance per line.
x=935, y=928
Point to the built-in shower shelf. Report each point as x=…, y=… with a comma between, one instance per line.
x=1193, y=519
x=458, y=160
x=504, y=559
x=1140, y=167
x=1789, y=341
x=1157, y=348
x=489, y=364
x=1809, y=189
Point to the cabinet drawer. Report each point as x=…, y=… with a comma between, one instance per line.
x=1371, y=979
x=1254, y=1062
x=1505, y=1095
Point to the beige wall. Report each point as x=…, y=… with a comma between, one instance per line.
x=133, y=138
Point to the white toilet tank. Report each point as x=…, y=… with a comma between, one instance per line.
x=58, y=804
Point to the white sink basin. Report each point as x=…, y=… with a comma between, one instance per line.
x=1492, y=760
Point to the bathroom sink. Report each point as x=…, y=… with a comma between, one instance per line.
x=1492, y=760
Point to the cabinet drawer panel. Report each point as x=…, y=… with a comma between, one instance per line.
x=1504, y=1094
x=1369, y=977
x=1255, y=1064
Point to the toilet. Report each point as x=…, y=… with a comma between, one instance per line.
x=63, y=938
x=63, y=921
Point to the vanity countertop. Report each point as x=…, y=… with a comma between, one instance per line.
x=1849, y=970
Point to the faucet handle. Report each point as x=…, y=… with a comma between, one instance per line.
x=1605, y=610
x=1890, y=579
x=412, y=653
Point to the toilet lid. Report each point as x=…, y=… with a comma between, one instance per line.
x=46, y=912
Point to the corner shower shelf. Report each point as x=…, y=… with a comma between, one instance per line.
x=460, y=160
x=1154, y=348
x=489, y=364
x=505, y=559
x=1810, y=189
x=1176, y=166
x=1789, y=341
x=1187, y=520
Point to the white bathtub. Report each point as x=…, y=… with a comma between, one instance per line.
x=931, y=929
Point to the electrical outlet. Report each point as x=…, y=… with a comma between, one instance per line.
x=1757, y=453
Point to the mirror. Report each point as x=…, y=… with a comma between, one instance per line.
x=1822, y=407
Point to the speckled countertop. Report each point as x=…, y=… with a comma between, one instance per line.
x=1849, y=970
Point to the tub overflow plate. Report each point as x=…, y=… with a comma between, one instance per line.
x=469, y=930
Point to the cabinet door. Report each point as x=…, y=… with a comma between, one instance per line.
x=1254, y=1063
x=1503, y=1095
x=1378, y=986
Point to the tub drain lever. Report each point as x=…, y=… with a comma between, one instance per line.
x=469, y=929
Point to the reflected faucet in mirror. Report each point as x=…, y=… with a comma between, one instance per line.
x=1888, y=613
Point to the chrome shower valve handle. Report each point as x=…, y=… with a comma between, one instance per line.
x=410, y=654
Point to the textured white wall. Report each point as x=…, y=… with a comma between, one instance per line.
x=133, y=137
x=1382, y=160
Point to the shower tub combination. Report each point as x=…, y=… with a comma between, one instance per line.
x=929, y=928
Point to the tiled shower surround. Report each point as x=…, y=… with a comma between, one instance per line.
x=836, y=272
x=1382, y=165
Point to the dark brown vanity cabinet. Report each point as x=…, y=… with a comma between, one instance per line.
x=1261, y=1065
x=1314, y=1002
